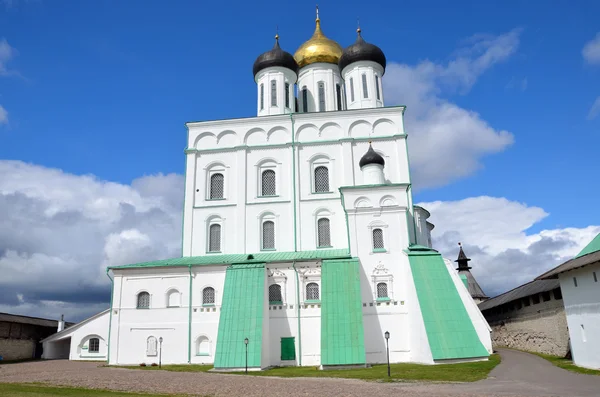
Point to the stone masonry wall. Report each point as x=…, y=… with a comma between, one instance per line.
x=16, y=349
x=540, y=328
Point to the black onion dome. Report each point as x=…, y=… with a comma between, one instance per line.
x=275, y=57
x=362, y=51
x=371, y=157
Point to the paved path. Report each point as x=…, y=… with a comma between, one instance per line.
x=519, y=374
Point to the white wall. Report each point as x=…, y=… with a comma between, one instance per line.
x=355, y=71
x=582, y=306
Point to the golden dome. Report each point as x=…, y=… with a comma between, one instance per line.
x=318, y=49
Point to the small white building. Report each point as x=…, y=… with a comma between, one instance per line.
x=580, y=285
x=301, y=244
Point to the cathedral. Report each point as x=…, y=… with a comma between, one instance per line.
x=301, y=243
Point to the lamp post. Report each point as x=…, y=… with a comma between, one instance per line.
x=246, y=343
x=160, y=352
x=387, y=347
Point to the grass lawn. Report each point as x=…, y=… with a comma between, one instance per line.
x=34, y=390
x=567, y=364
x=464, y=372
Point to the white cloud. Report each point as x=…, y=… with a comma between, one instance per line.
x=3, y=115
x=591, y=51
x=6, y=54
x=447, y=142
x=494, y=234
x=594, y=110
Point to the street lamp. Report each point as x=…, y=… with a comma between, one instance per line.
x=160, y=352
x=387, y=347
x=246, y=343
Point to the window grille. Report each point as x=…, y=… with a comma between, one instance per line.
x=378, y=239
x=338, y=93
x=323, y=231
x=351, y=89
x=208, y=296
x=321, y=179
x=377, y=87
x=364, y=84
x=321, y=97
x=275, y=294
x=94, y=346
x=273, y=93
x=217, y=183
x=262, y=96
x=143, y=300
x=268, y=235
x=268, y=187
x=287, y=95
x=382, y=291
x=214, y=238
x=312, y=291
x=304, y=99
x=151, y=346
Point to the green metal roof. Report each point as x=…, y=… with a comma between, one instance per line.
x=593, y=246
x=262, y=257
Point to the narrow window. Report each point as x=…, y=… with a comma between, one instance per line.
x=287, y=95
x=312, y=292
x=382, y=290
x=203, y=346
x=217, y=183
x=557, y=294
x=321, y=179
x=351, y=89
x=321, y=97
x=338, y=93
x=595, y=277
x=305, y=99
x=518, y=305
x=583, y=338
x=546, y=296
x=377, y=87
x=273, y=93
x=268, y=186
x=268, y=235
x=378, y=239
x=575, y=281
x=173, y=299
x=275, y=297
x=214, y=238
x=262, y=96
x=526, y=301
x=323, y=232
x=94, y=345
x=151, y=346
x=535, y=299
x=208, y=296
x=364, y=84
x=143, y=300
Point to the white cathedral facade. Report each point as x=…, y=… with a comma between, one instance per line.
x=301, y=243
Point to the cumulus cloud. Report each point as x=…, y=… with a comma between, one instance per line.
x=59, y=231
x=6, y=54
x=446, y=141
x=494, y=234
x=594, y=110
x=591, y=51
x=3, y=115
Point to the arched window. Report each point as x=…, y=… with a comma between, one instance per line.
x=312, y=291
x=203, y=346
x=151, y=346
x=377, y=87
x=262, y=96
x=304, y=99
x=208, y=296
x=94, y=345
x=143, y=300
x=382, y=290
x=173, y=298
x=214, y=238
x=287, y=95
x=321, y=97
x=338, y=94
x=378, y=239
x=364, y=84
x=217, y=185
x=268, y=185
x=275, y=294
x=273, y=93
x=351, y=89
x=268, y=235
x=323, y=233
x=321, y=179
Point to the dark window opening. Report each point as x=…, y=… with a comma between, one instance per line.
x=304, y=99
x=535, y=299
x=526, y=301
x=546, y=296
x=557, y=294
x=287, y=95
x=338, y=93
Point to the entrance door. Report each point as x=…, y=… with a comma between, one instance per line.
x=288, y=349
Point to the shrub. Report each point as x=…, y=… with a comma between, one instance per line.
x=142, y=364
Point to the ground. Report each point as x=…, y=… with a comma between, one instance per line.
x=519, y=374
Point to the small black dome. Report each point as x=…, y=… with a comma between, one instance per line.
x=371, y=157
x=275, y=57
x=362, y=51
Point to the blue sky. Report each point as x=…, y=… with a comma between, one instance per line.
x=104, y=88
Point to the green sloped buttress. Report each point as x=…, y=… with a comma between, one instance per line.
x=449, y=328
x=342, y=331
x=241, y=317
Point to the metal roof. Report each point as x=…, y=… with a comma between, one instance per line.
x=265, y=257
x=589, y=255
x=531, y=288
x=43, y=322
x=472, y=285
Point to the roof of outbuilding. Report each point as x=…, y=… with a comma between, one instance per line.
x=590, y=254
x=43, y=322
x=531, y=288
